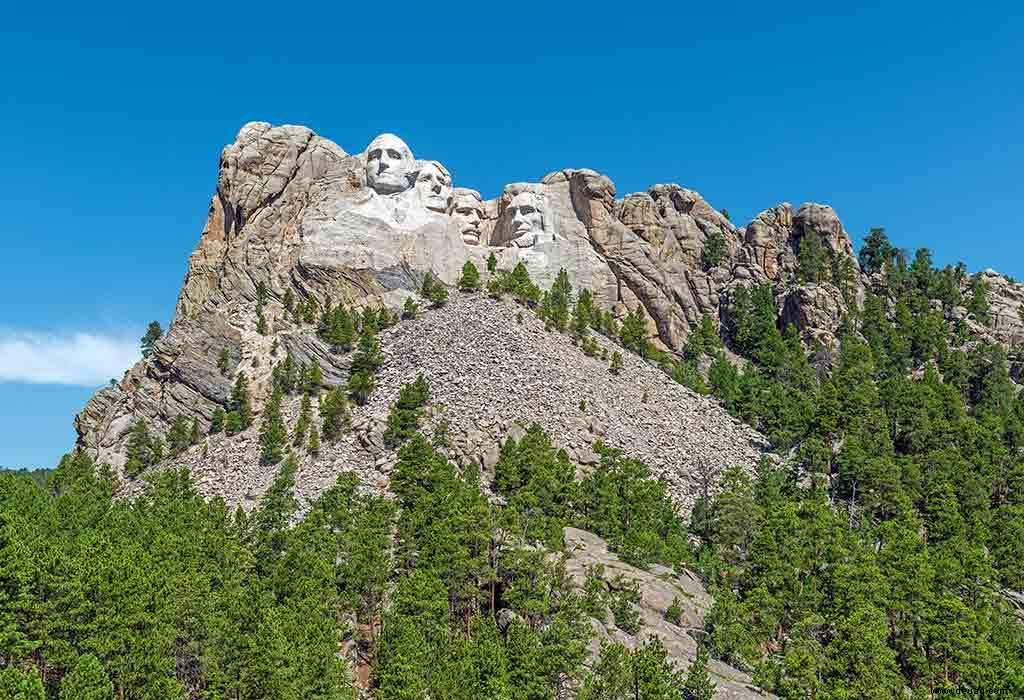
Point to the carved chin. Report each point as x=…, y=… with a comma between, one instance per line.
x=438, y=204
x=388, y=184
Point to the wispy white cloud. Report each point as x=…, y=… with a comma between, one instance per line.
x=78, y=358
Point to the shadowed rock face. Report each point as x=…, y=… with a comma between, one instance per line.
x=294, y=211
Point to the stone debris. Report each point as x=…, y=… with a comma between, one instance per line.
x=491, y=376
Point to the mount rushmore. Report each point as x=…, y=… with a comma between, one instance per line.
x=295, y=213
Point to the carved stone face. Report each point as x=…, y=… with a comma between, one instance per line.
x=434, y=185
x=527, y=219
x=468, y=211
x=389, y=164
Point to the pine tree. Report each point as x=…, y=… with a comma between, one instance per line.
x=314, y=379
x=334, y=411
x=409, y=309
x=405, y=413
x=368, y=357
x=715, y=250
x=179, y=436
x=273, y=434
x=289, y=300
x=153, y=333
x=616, y=365
x=195, y=434
x=633, y=333
x=698, y=681
x=217, y=421
x=313, y=446
x=87, y=680
x=338, y=328
x=360, y=385
x=492, y=263
x=559, y=299
x=977, y=303
x=876, y=251
x=434, y=290
x=582, y=314
x=142, y=449
x=304, y=421
x=469, y=281
x=224, y=361
x=239, y=402
x=812, y=259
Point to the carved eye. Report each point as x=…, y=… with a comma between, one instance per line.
x=526, y=209
x=374, y=154
x=394, y=154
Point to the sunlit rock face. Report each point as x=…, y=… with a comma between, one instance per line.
x=389, y=165
x=434, y=185
x=467, y=209
x=295, y=212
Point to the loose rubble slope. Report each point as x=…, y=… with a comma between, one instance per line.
x=493, y=370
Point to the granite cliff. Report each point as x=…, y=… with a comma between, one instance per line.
x=294, y=211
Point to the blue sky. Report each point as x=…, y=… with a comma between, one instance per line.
x=902, y=115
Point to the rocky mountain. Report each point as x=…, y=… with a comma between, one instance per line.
x=297, y=226
x=294, y=211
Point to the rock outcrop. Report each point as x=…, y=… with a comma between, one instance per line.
x=659, y=587
x=295, y=213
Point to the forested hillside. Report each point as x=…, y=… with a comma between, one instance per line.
x=874, y=555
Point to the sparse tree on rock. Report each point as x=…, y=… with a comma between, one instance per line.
x=812, y=259
x=616, y=365
x=715, y=250
x=409, y=309
x=153, y=333
x=876, y=251
x=179, y=436
x=143, y=449
x=304, y=421
x=239, y=403
x=558, y=299
x=360, y=385
x=434, y=290
x=314, y=379
x=698, y=681
x=469, y=281
x=313, y=446
x=582, y=313
x=272, y=433
x=224, y=361
x=334, y=410
x=633, y=333
x=217, y=421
